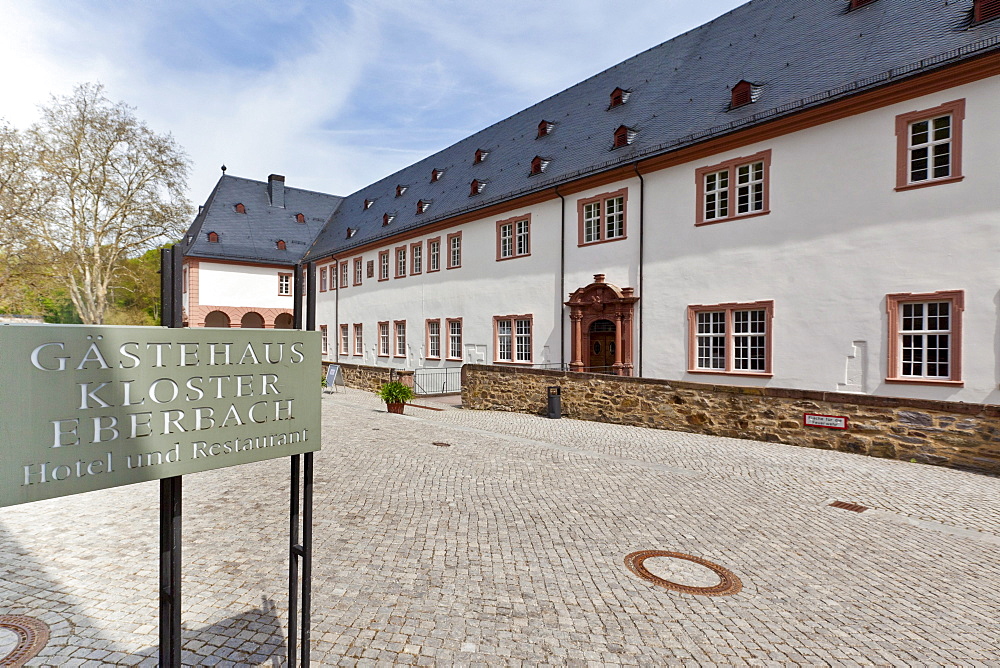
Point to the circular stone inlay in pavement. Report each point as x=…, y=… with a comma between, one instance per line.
x=684, y=573
x=28, y=636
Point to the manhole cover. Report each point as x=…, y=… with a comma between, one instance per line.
x=700, y=582
x=21, y=638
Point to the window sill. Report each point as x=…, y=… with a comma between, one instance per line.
x=433, y=359
x=929, y=182
x=513, y=257
x=453, y=359
x=728, y=219
x=457, y=266
x=433, y=271
x=745, y=374
x=509, y=363
x=926, y=381
x=581, y=244
x=400, y=276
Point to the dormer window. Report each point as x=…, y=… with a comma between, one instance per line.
x=538, y=165
x=984, y=10
x=281, y=245
x=300, y=218
x=479, y=156
x=213, y=237
x=368, y=204
x=624, y=136
x=619, y=96
x=545, y=128
x=436, y=175
x=388, y=218
x=860, y=3
x=744, y=93
x=400, y=190
x=351, y=232
x=476, y=187
x=423, y=205
x=240, y=208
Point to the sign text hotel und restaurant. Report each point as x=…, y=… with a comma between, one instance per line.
x=90, y=407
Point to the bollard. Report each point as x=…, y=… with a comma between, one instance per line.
x=555, y=402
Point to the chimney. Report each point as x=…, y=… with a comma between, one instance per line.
x=276, y=190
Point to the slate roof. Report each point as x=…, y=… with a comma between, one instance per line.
x=253, y=236
x=801, y=53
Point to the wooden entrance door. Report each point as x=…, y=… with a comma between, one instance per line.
x=602, y=347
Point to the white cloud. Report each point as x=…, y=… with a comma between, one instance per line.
x=333, y=95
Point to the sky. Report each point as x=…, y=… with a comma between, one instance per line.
x=334, y=95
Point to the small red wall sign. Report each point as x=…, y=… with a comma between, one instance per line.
x=826, y=421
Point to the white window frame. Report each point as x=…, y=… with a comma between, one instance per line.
x=744, y=332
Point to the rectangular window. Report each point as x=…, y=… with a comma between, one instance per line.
x=455, y=250
x=929, y=146
x=343, y=274
x=512, y=338
x=383, y=339
x=357, y=270
x=401, y=262
x=324, y=340
x=513, y=237
x=383, y=265
x=602, y=218
x=400, y=349
x=284, y=284
x=322, y=279
x=733, y=189
x=434, y=254
x=344, y=339
x=455, y=339
x=925, y=337
x=359, y=339
x=433, y=339
x=730, y=338
x=417, y=258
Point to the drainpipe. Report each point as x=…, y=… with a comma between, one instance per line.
x=642, y=257
x=336, y=312
x=562, y=279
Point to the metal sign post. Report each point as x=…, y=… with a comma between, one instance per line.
x=171, y=639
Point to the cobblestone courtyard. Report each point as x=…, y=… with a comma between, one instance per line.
x=507, y=548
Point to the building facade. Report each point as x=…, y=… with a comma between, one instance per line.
x=745, y=204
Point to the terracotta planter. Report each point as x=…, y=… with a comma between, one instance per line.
x=395, y=408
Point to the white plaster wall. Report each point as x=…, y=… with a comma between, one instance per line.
x=837, y=239
x=241, y=285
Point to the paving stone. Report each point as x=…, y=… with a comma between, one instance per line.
x=508, y=548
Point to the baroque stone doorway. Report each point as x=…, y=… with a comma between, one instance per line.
x=602, y=316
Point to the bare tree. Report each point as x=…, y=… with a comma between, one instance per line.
x=21, y=197
x=116, y=189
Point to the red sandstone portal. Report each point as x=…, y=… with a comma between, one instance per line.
x=601, y=314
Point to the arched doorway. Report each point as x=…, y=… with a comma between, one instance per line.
x=217, y=319
x=252, y=320
x=602, y=349
x=283, y=321
x=601, y=314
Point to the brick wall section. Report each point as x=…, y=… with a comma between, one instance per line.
x=952, y=434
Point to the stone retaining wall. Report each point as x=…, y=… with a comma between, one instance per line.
x=363, y=377
x=952, y=434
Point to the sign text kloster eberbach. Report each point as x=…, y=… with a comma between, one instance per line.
x=90, y=407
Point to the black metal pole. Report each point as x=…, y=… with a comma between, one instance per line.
x=307, y=521
x=293, y=562
x=171, y=307
x=311, y=296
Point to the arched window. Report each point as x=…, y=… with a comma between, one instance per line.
x=281, y=245
x=300, y=218
x=240, y=208
x=213, y=237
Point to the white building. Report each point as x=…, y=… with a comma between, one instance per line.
x=798, y=194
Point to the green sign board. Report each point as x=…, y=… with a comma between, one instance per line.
x=90, y=407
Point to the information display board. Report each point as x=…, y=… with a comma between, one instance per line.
x=86, y=407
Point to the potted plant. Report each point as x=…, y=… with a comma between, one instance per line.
x=395, y=394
